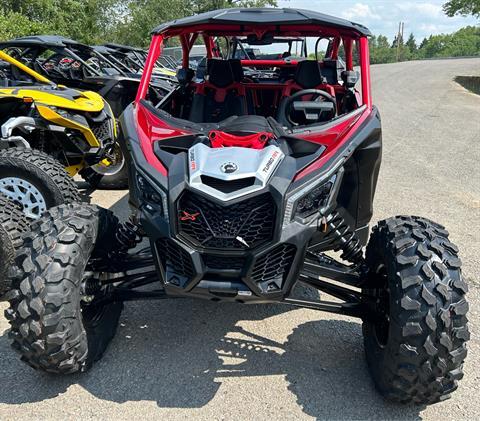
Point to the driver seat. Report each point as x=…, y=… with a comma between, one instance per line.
x=220, y=96
x=308, y=75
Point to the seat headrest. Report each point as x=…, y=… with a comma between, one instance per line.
x=219, y=73
x=237, y=69
x=201, y=68
x=308, y=74
x=331, y=70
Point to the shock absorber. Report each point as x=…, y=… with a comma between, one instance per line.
x=345, y=238
x=127, y=236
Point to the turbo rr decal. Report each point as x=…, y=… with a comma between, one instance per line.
x=271, y=161
x=193, y=164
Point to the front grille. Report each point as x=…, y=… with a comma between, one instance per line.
x=242, y=225
x=274, y=265
x=175, y=259
x=223, y=262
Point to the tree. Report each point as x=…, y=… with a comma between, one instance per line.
x=84, y=20
x=201, y=6
x=13, y=24
x=411, y=44
x=143, y=15
x=462, y=7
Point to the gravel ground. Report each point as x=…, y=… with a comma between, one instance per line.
x=193, y=359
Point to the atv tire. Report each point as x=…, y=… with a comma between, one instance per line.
x=52, y=327
x=12, y=225
x=35, y=181
x=415, y=351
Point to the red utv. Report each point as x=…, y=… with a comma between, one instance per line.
x=247, y=178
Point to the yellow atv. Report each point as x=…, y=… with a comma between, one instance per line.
x=48, y=134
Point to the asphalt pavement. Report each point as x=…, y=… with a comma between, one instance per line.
x=184, y=359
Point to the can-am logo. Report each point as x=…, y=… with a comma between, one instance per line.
x=185, y=216
x=229, y=167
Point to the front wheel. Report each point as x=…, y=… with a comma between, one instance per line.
x=416, y=343
x=60, y=322
x=12, y=225
x=35, y=181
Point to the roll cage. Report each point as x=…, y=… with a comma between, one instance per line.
x=206, y=33
x=154, y=124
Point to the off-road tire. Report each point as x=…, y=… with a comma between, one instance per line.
x=422, y=358
x=41, y=170
x=50, y=328
x=12, y=225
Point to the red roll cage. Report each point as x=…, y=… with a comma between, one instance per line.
x=189, y=35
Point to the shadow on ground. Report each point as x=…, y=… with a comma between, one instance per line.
x=177, y=353
x=174, y=353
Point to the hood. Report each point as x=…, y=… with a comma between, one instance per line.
x=60, y=97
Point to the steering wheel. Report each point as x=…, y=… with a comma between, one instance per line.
x=318, y=96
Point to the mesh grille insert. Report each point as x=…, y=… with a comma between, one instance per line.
x=223, y=262
x=274, y=265
x=242, y=225
x=175, y=259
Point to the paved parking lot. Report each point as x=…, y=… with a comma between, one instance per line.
x=193, y=359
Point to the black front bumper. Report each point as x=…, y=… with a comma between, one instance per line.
x=263, y=273
x=266, y=270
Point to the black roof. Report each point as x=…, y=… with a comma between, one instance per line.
x=103, y=49
x=123, y=48
x=264, y=16
x=44, y=40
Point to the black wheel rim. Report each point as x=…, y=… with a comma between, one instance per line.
x=94, y=311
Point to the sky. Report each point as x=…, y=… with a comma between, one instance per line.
x=382, y=16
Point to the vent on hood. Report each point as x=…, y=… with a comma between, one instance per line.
x=227, y=186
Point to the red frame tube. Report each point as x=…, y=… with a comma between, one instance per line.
x=152, y=57
x=365, y=71
x=347, y=45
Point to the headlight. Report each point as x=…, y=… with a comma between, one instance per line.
x=307, y=203
x=77, y=118
x=314, y=200
x=151, y=196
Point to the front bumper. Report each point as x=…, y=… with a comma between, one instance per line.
x=263, y=274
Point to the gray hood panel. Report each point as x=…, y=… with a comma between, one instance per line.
x=232, y=164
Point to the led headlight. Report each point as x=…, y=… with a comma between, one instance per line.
x=310, y=199
x=314, y=200
x=153, y=197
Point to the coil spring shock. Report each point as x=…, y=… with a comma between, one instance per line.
x=347, y=240
x=92, y=286
x=127, y=236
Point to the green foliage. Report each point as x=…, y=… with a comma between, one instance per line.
x=200, y=6
x=83, y=20
x=462, y=7
x=144, y=15
x=465, y=42
x=14, y=24
x=411, y=44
